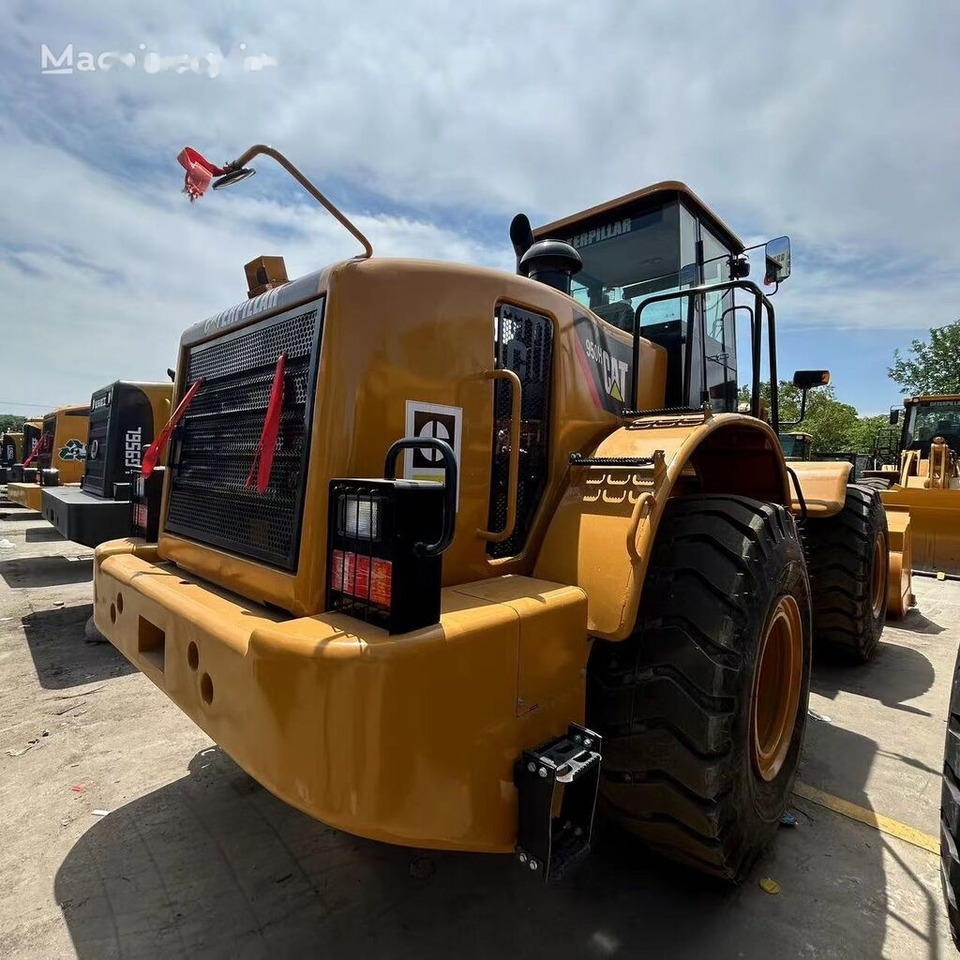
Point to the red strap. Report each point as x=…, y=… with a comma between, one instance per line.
x=40, y=447
x=200, y=172
x=155, y=451
x=267, y=445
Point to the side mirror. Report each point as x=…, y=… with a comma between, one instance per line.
x=777, y=256
x=894, y=416
x=808, y=379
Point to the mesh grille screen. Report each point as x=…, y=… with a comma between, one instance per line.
x=524, y=345
x=93, y=471
x=217, y=439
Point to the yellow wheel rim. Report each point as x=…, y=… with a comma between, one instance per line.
x=776, y=688
x=879, y=565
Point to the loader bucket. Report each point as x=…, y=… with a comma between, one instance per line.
x=934, y=526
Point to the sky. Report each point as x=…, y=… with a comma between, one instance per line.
x=431, y=124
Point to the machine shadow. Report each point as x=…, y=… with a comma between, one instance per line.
x=43, y=535
x=894, y=675
x=61, y=655
x=21, y=515
x=46, y=571
x=213, y=865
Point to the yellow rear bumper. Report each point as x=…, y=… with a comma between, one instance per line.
x=28, y=495
x=408, y=739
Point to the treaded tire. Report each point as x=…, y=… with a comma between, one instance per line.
x=875, y=483
x=950, y=810
x=841, y=557
x=673, y=701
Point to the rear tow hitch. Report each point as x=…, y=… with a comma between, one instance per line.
x=546, y=844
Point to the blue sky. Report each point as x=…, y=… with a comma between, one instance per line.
x=432, y=124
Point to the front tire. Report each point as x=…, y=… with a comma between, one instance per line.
x=848, y=559
x=703, y=708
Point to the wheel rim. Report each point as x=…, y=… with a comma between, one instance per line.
x=879, y=563
x=777, y=683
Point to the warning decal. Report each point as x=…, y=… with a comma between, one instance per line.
x=431, y=420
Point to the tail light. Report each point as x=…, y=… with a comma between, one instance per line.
x=144, y=504
x=385, y=543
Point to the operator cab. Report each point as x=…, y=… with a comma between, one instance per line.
x=929, y=418
x=654, y=241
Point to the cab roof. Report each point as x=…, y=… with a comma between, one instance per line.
x=657, y=193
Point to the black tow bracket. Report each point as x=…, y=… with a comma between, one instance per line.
x=550, y=845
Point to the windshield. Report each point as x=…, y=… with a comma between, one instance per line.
x=794, y=445
x=932, y=418
x=627, y=260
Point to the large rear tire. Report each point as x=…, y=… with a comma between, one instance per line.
x=848, y=559
x=950, y=810
x=703, y=708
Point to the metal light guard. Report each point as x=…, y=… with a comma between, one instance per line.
x=235, y=168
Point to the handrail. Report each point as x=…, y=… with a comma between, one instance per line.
x=760, y=300
x=513, y=476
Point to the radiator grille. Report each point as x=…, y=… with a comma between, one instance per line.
x=217, y=439
x=524, y=345
x=97, y=445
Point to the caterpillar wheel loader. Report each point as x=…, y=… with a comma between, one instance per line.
x=11, y=452
x=796, y=445
x=447, y=553
x=57, y=458
x=926, y=486
x=17, y=445
x=124, y=419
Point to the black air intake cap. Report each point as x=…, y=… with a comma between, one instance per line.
x=552, y=262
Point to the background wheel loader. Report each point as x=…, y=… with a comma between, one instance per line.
x=57, y=458
x=927, y=484
x=16, y=446
x=124, y=419
x=607, y=595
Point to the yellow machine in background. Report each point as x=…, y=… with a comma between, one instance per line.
x=796, y=445
x=420, y=582
x=58, y=457
x=928, y=484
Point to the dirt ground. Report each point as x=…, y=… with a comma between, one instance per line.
x=126, y=833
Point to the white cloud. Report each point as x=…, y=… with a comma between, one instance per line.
x=435, y=123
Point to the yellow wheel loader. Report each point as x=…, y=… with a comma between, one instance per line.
x=446, y=554
x=15, y=446
x=927, y=485
x=57, y=458
x=125, y=416
x=796, y=445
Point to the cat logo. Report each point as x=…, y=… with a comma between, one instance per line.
x=614, y=376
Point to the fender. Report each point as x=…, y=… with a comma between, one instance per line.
x=602, y=533
x=823, y=485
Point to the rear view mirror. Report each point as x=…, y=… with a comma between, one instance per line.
x=777, y=256
x=894, y=416
x=808, y=379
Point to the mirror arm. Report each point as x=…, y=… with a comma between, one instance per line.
x=262, y=148
x=803, y=411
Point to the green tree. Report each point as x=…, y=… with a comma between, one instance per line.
x=11, y=422
x=836, y=427
x=934, y=367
